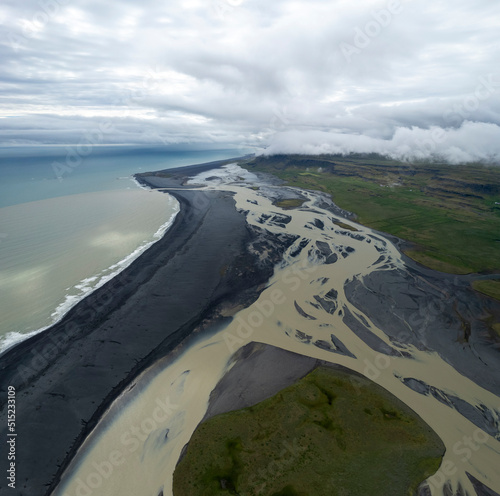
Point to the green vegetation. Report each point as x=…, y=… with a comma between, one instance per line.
x=343, y=225
x=289, y=203
x=493, y=324
x=496, y=328
x=448, y=212
x=489, y=288
x=332, y=433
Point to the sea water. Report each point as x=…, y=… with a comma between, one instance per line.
x=66, y=227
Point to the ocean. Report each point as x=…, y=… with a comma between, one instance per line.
x=69, y=222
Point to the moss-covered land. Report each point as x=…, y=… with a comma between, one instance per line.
x=332, y=433
x=450, y=213
x=490, y=288
x=289, y=203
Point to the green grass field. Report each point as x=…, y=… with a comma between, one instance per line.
x=288, y=204
x=490, y=288
x=448, y=212
x=330, y=434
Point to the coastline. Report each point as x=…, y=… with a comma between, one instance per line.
x=104, y=230
x=319, y=318
x=67, y=376
x=179, y=173
x=386, y=342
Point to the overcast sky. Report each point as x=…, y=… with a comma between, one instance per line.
x=408, y=77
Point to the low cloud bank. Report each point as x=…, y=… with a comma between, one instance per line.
x=472, y=142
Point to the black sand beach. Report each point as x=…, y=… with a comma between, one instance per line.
x=67, y=376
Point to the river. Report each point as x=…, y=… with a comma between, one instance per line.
x=135, y=448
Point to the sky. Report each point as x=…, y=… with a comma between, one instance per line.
x=406, y=78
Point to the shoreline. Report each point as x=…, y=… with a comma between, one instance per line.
x=160, y=233
x=177, y=177
x=104, y=276
x=120, y=329
x=318, y=319
x=220, y=203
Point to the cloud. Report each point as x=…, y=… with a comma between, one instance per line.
x=233, y=72
x=472, y=142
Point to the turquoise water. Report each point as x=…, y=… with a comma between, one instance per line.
x=37, y=173
x=62, y=237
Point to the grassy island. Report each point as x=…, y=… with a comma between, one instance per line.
x=332, y=433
